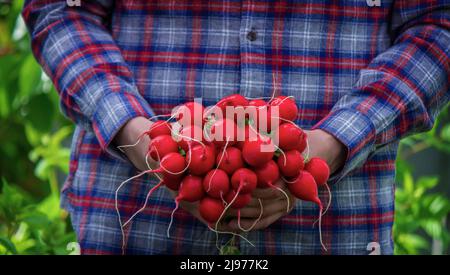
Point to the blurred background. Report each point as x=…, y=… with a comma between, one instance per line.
x=34, y=158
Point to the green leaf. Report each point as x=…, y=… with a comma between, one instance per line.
x=229, y=250
x=439, y=205
x=40, y=113
x=427, y=182
x=4, y=104
x=8, y=245
x=433, y=228
x=35, y=220
x=408, y=183
x=414, y=242
x=445, y=133
x=29, y=76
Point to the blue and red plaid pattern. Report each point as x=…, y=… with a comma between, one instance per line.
x=367, y=74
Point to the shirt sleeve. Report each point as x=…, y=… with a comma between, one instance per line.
x=76, y=50
x=402, y=90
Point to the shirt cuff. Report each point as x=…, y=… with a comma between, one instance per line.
x=113, y=111
x=353, y=129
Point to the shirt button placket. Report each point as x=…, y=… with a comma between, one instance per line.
x=250, y=42
x=252, y=35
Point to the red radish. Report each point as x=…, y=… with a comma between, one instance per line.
x=244, y=179
x=272, y=122
x=216, y=183
x=191, y=190
x=319, y=169
x=159, y=128
x=290, y=163
x=211, y=209
x=241, y=199
x=189, y=136
x=221, y=131
x=233, y=100
x=267, y=174
x=170, y=165
x=237, y=102
x=301, y=146
x=162, y=145
x=243, y=135
x=258, y=152
x=288, y=109
x=262, y=115
x=304, y=187
x=249, y=111
x=173, y=183
x=200, y=159
x=257, y=103
x=290, y=136
x=230, y=160
x=190, y=113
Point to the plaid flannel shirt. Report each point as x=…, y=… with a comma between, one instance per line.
x=368, y=72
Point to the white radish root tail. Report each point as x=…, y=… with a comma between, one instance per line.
x=116, y=205
x=286, y=195
x=230, y=233
x=255, y=222
x=139, y=139
x=177, y=204
x=145, y=203
x=220, y=161
x=221, y=216
x=320, y=229
x=328, y=204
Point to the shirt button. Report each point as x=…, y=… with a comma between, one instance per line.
x=251, y=35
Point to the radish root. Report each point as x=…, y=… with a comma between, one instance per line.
x=320, y=228
x=145, y=203
x=328, y=204
x=139, y=139
x=220, y=161
x=177, y=204
x=256, y=221
x=116, y=204
x=230, y=233
x=286, y=195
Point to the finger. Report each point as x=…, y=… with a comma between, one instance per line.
x=255, y=211
x=267, y=210
x=222, y=225
x=261, y=224
x=254, y=203
x=266, y=193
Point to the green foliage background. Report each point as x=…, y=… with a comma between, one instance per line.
x=34, y=152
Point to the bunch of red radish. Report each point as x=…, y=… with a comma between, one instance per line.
x=218, y=160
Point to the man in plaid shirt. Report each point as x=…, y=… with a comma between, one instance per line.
x=365, y=73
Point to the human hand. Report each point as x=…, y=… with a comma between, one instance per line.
x=266, y=207
x=327, y=147
x=273, y=202
x=129, y=134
